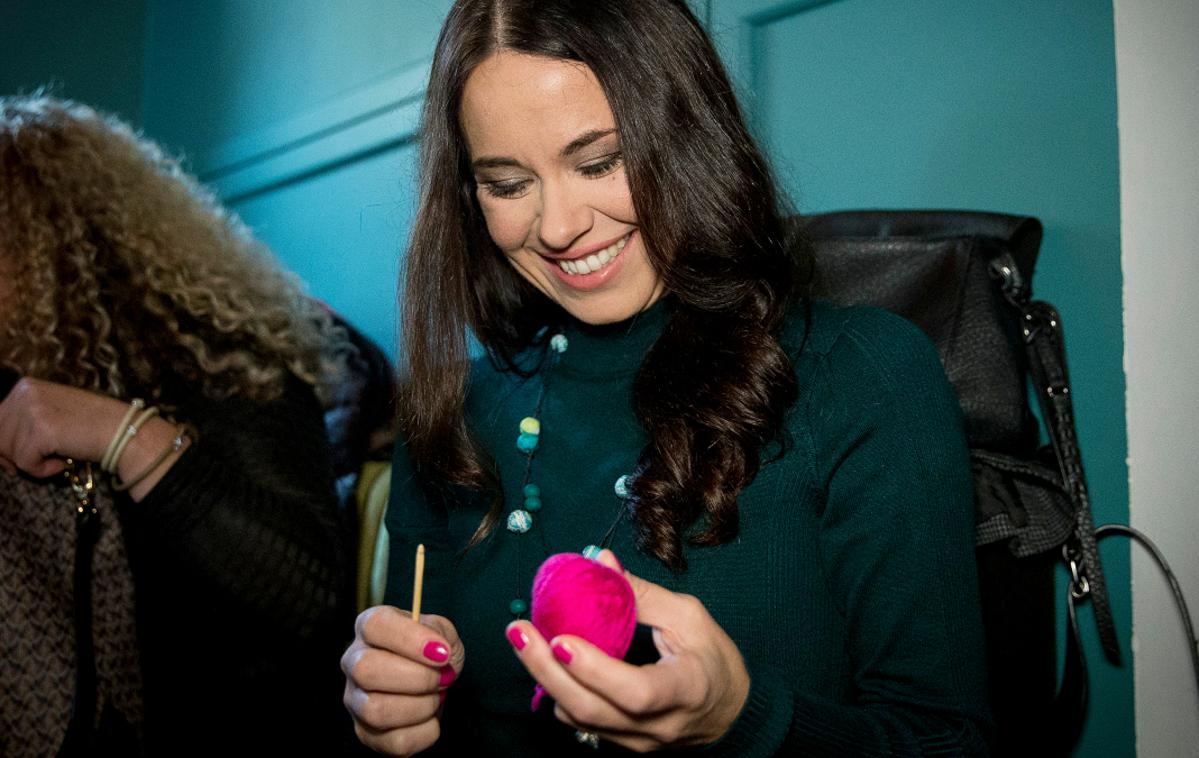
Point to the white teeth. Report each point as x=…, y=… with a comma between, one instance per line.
x=595, y=261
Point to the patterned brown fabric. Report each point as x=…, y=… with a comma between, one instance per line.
x=37, y=635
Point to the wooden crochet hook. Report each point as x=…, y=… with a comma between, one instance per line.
x=418, y=581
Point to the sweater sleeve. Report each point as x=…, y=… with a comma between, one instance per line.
x=884, y=433
x=247, y=520
x=241, y=561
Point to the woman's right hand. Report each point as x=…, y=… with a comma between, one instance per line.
x=397, y=672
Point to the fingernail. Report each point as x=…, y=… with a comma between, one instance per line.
x=596, y=556
x=561, y=652
x=437, y=652
x=517, y=637
x=448, y=675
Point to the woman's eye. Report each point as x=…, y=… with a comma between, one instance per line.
x=505, y=189
x=601, y=167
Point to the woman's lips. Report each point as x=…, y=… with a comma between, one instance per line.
x=588, y=272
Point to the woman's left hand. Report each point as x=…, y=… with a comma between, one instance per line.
x=690, y=696
x=43, y=423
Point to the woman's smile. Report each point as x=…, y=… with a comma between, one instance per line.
x=590, y=269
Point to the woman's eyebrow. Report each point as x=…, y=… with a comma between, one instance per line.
x=494, y=162
x=585, y=139
x=575, y=145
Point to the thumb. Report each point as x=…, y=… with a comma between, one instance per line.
x=446, y=628
x=656, y=606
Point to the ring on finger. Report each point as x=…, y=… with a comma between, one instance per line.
x=590, y=739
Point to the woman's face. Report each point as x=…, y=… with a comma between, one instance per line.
x=551, y=183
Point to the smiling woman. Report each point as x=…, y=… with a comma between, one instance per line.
x=785, y=482
x=556, y=199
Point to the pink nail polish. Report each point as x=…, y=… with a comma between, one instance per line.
x=517, y=637
x=436, y=652
x=561, y=652
x=448, y=675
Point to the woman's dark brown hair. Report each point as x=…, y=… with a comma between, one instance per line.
x=713, y=390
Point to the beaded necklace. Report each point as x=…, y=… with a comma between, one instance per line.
x=520, y=520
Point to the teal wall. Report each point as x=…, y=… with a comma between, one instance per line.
x=86, y=50
x=1006, y=107
x=304, y=121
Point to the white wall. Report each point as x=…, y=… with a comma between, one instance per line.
x=1157, y=65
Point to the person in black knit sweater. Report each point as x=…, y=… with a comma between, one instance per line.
x=159, y=356
x=784, y=483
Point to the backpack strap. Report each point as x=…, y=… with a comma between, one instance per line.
x=1042, y=330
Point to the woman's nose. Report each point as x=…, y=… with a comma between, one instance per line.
x=564, y=216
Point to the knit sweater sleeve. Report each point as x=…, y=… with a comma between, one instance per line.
x=883, y=433
x=247, y=520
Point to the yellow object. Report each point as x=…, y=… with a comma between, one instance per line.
x=374, y=487
x=530, y=425
x=418, y=581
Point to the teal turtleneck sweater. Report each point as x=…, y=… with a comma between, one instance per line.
x=850, y=590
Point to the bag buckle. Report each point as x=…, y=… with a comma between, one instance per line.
x=1011, y=283
x=1079, y=586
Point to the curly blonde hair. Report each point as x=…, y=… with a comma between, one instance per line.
x=121, y=274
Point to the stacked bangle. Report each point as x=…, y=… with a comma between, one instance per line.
x=183, y=433
x=126, y=435
x=106, y=462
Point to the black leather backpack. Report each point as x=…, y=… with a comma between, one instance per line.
x=964, y=278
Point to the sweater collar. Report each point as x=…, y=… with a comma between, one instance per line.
x=614, y=349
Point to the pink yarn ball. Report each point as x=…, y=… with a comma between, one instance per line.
x=573, y=594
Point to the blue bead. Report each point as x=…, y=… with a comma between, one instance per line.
x=623, y=487
x=532, y=504
x=527, y=443
x=517, y=607
x=532, y=490
x=559, y=342
x=592, y=552
x=519, y=521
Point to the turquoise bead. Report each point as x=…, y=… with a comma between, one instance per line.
x=532, y=490
x=517, y=607
x=532, y=504
x=519, y=522
x=622, y=487
x=592, y=552
x=526, y=443
x=559, y=342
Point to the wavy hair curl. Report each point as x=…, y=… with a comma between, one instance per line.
x=121, y=274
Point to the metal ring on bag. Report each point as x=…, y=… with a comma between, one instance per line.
x=1079, y=586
